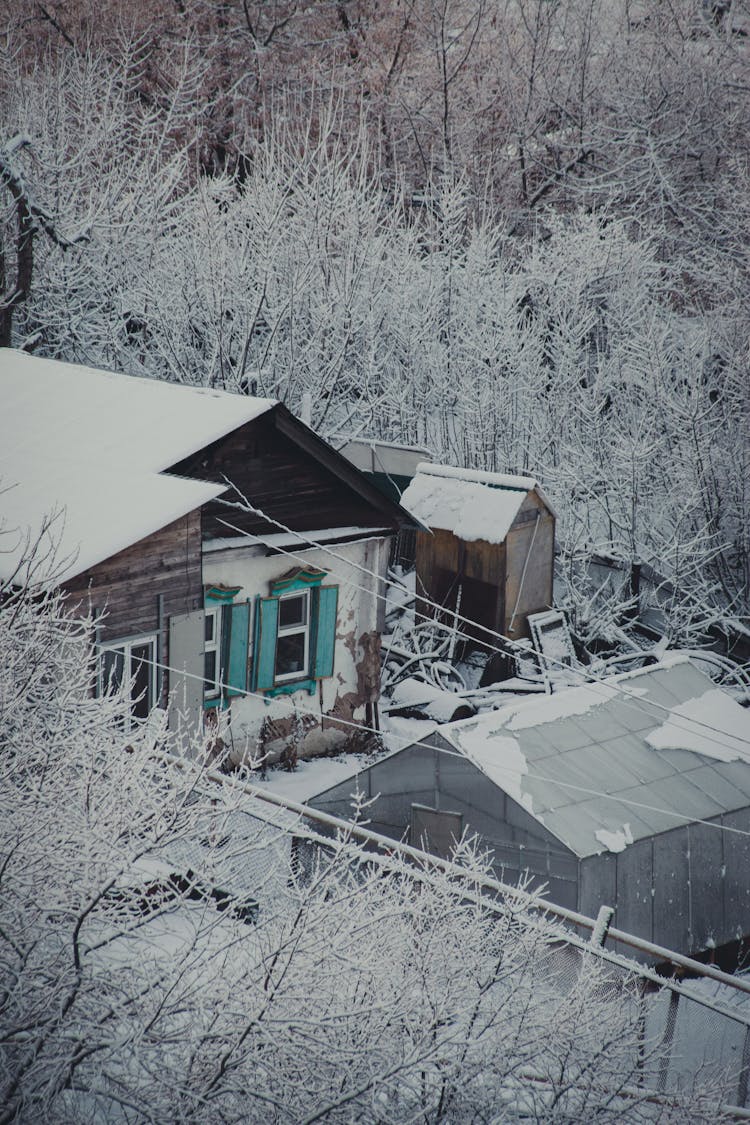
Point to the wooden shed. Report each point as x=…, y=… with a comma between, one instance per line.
x=489, y=552
x=632, y=793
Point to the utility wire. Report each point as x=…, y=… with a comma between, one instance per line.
x=595, y=682
x=335, y=720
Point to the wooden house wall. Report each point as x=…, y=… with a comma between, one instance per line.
x=535, y=584
x=141, y=587
x=424, y=776
x=281, y=478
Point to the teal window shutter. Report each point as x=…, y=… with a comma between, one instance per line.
x=267, y=619
x=325, y=635
x=239, y=632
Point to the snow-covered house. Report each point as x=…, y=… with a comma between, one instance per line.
x=120, y=485
x=632, y=792
x=489, y=550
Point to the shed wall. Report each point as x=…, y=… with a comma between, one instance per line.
x=687, y=889
x=501, y=582
x=421, y=775
x=444, y=562
x=530, y=547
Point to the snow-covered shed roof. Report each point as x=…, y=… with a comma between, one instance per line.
x=469, y=502
x=664, y=738
x=90, y=445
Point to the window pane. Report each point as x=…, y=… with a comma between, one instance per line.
x=209, y=670
x=290, y=654
x=293, y=611
x=112, y=666
x=140, y=670
x=210, y=620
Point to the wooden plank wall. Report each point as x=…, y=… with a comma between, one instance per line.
x=127, y=587
x=279, y=478
x=443, y=561
x=522, y=543
x=492, y=572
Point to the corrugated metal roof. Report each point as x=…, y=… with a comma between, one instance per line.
x=574, y=758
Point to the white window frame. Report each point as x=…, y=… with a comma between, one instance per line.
x=290, y=630
x=213, y=611
x=125, y=645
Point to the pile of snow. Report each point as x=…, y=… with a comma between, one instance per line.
x=615, y=841
x=711, y=724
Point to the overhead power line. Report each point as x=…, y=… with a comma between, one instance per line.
x=335, y=720
x=594, y=681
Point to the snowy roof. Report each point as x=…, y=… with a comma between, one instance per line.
x=82, y=442
x=664, y=738
x=468, y=502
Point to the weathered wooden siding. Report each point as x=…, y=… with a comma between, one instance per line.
x=128, y=586
x=444, y=562
x=535, y=586
x=492, y=574
x=279, y=477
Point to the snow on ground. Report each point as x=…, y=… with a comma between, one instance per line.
x=312, y=777
x=711, y=724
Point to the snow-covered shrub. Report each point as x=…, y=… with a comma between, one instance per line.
x=361, y=992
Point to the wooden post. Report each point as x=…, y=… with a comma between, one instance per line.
x=601, y=926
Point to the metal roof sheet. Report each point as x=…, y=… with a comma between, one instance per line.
x=581, y=763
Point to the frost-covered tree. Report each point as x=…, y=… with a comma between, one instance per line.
x=137, y=985
x=597, y=347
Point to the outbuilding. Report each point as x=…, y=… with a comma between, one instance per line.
x=489, y=552
x=632, y=792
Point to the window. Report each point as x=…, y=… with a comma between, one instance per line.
x=295, y=633
x=212, y=664
x=134, y=661
x=225, y=645
x=293, y=637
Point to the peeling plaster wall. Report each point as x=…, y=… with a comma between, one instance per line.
x=356, y=675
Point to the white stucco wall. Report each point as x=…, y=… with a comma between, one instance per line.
x=253, y=569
